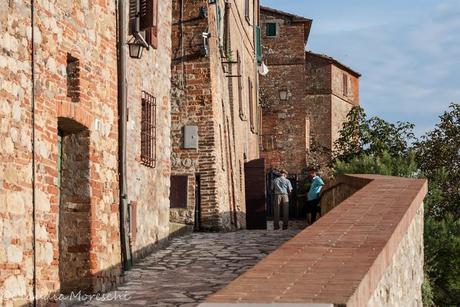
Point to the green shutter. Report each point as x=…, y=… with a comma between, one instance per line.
x=219, y=25
x=258, y=45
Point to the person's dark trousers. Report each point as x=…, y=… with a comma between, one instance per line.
x=281, y=200
x=313, y=208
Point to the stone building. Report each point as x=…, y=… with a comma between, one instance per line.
x=149, y=135
x=59, y=134
x=215, y=112
x=305, y=97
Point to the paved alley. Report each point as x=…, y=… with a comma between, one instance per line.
x=196, y=265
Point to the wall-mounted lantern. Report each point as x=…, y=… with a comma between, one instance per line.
x=284, y=94
x=137, y=45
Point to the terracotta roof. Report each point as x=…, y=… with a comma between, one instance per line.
x=295, y=18
x=335, y=62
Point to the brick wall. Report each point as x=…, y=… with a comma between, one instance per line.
x=317, y=103
x=283, y=135
x=202, y=96
x=59, y=37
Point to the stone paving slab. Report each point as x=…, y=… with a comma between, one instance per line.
x=195, y=266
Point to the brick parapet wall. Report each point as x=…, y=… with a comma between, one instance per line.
x=349, y=256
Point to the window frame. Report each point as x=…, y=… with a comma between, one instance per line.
x=247, y=11
x=267, y=24
x=148, y=130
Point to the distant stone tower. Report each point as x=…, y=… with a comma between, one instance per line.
x=305, y=96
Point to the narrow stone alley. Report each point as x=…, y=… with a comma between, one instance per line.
x=194, y=266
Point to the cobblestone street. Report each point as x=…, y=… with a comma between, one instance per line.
x=196, y=265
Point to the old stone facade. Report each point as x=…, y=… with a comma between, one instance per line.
x=59, y=187
x=148, y=181
x=305, y=96
x=215, y=113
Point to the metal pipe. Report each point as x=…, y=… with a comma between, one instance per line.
x=34, y=252
x=181, y=22
x=122, y=112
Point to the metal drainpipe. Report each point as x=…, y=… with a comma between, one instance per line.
x=34, y=252
x=122, y=111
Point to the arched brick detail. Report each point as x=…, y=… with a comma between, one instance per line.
x=76, y=112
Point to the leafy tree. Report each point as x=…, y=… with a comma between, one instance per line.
x=372, y=137
x=442, y=261
x=353, y=135
x=438, y=157
x=384, y=164
x=374, y=146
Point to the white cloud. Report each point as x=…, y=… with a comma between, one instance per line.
x=410, y=67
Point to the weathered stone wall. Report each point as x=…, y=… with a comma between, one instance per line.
x=148, y=186
x=339, y=111
x=15, y=153
x=59, y=36
x=202, y=96
x=401, y=283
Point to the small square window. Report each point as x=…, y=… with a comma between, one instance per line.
x=271, y=29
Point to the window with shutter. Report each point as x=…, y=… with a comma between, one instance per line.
x=240, y=84
x=143, y=16
x=246, y=10
x=251, y=104
x=258, y=45
x=133, y=17
x=219, y=25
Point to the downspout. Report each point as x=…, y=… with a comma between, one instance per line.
x=122, y=112
x=34, y=252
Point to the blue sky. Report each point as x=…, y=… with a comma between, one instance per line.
x=408, y=51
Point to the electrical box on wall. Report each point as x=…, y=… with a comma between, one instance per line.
x=191, y=137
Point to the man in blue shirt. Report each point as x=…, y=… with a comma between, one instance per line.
x=281, y=187
x=314, y=193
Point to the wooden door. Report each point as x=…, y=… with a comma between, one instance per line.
x=256, y=208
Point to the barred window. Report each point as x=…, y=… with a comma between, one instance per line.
x=148, y=130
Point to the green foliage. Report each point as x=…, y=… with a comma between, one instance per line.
x=438, y=157
x=374, y=146
x=427, y=293
x=385, y=164
x=442, y=250
x=353, y=135
x=372, y=137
